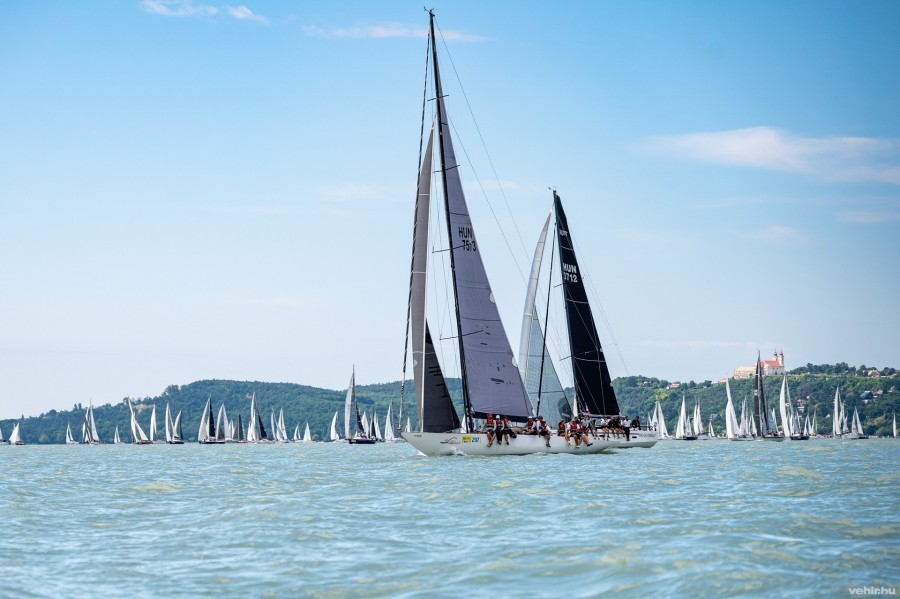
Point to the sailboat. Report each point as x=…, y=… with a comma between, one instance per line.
x=282, y=430
x=173, y=429
x=764, y=415
x=390, y=435
x=356, y=427
x=89, y=434
x=856, y=429
x=307, y=436
x=895, y=426
x=138, y=436
x=296, y=438
x=206, y=435
x=491, y=381
x=697, y=423
x=154, y=437
x=790, y=425
x=70, y=440
x=15, y=437
x=2, y=440
x=683, y=430
x=659, y=420
x=333, y=433
x=116, y=439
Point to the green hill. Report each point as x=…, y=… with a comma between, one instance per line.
x=875, y=393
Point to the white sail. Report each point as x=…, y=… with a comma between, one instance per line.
x=252, y=428
x=836, y=414
x=681, y=427
x=806, y=427
x=2, y=440
x=895, y=426
x=282, y=430
x=389, y=426
x=408, y=427
x=15, y=437
x=274, y=429
x=782, y=407
x=376, y=425
x=710, y=428
x=365, y=423
x=176, y=428
x=856, y=427
x=349, y=401
x=153, y=434
x=70, y=440
x=116, y=439
x=296, y=436
x=203, y=433
x=137, y=433
x=334, y=436
x=813, y=431
x=95, y=438
x=168, y=417
x=307, y=437
x=661, y=431
x=731, y=424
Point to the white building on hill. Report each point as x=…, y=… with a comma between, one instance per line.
x=771, y=367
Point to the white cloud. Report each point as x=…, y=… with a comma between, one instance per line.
x=242, y=13
x=188, y=8
x=870, y=217
x=776, y=234
x=178, y=8
x=391, y=30
x=867, y=159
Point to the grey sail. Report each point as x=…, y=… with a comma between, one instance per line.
x=439, y=415
x=535, y=365
x=528, y=316
x=436, y=411
x=491, y=379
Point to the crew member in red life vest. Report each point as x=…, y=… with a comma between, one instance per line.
x=489, y=428
x=542, y=429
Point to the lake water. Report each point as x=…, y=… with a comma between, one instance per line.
x=701, y=519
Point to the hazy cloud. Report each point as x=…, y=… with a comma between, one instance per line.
x=242, y=13
x=868, y=159
x=776, y=234
x=178, y=8
x=391, y=30
x=870, y=217
x=188, y=8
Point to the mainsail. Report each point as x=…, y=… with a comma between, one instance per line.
x=593, y=386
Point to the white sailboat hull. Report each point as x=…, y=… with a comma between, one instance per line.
x=439, y=444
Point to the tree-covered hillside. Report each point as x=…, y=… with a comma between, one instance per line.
x=876, y=393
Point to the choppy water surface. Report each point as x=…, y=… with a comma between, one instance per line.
x=692, y=519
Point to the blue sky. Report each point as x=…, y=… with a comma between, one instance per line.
x=199, y=190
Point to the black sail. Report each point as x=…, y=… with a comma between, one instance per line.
x=439, y=415
x=240, y=429
x=593, y=386
x=212, y=423
x=262, y=429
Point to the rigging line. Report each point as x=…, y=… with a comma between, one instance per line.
x=487, y=153
x=606, y=322
x=483, y=144
x=488, y=201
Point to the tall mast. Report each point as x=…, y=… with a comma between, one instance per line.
x=438, y=92
x=537, y=412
